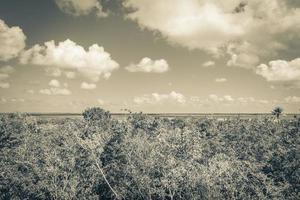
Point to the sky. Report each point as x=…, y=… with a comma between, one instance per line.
x=174, y=56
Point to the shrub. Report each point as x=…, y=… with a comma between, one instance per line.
x=96, y=114
x=11, y=128
x=144, y=157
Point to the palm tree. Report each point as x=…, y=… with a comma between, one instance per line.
x=277, y=111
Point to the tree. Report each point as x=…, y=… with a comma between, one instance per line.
x=277, y=111
x=96, y=114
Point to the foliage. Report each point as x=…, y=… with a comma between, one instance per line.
x=277, y=111
x=96, y=114
x=144, y=157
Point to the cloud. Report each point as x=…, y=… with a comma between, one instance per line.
x=212, y=101
x=70, y=75
x=252, y=29
x=242, y=55
x=93, y=63
x=55, y=91
x=229, y=100
x=217, y=99
x=14, y=100
x=263, y=101
x=248, y=100
x=193, y=24
x=245, y=100
x=292, y=99
x=4, y=76
x=88, y=86
x=220, y=80
x=12, y=41
x=156, y=98
x=54, y=83
x=208, y=63
x=81, y=7
x=5, y=72
x=281, y=71
x=17, y=100
x=52, y=71
x=56, y=72
x=150, y=66
x=4, y=85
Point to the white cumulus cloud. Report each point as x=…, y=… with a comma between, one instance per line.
x=292, y=99
x=54, y=83
x=67, y=55
x=12, y=41
x=208, y=63
x=194, y=24
x=4, y=85
x=281, y=70
x=220, y=80
x=156, y=98
x=88, y=86
x=229, y=100
x=218, y=99
x=81, y=7
x=252, y=29
x=55, y=91
x=70, y=75
x=242, y=54
x=149, y=65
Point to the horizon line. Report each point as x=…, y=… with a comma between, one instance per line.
x=151, y=113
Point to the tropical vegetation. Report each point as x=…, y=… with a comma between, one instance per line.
x=146, y=157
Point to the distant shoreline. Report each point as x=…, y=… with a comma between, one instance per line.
x=157, y=114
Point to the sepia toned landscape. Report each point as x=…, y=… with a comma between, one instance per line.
x=149, y=99
x=140, y=156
